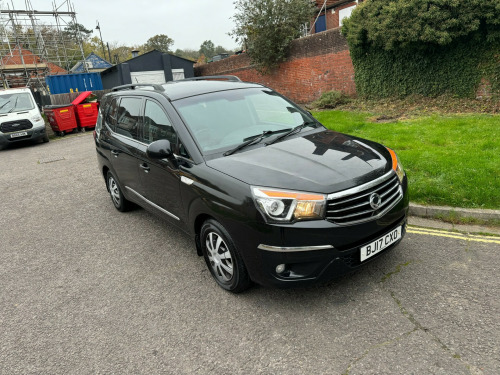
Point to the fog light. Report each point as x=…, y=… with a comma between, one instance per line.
x=280, y=268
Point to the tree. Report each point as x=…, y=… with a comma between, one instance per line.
x=187, y=53
x=392, y=24
x=93, y=45
x=160, y=42
x=75, y=29
x=267, y=28
x=207, y=48
x=447, y=49
x=120, y=54
x=220, y=49
x=202, y=59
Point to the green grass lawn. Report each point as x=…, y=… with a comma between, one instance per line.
x=450, y=160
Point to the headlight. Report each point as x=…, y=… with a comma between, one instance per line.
x=36, y=118
x=287, y=206
x=396, y=165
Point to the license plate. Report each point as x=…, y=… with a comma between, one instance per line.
x=378, y=245
x=20, y=134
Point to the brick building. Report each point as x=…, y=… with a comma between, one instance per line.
x=21, y=68
x=331, y=14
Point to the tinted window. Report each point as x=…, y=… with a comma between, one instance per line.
x=157, y=125
x=110, y=114
x=128, y=117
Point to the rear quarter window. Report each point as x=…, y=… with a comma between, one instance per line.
x=128, y=116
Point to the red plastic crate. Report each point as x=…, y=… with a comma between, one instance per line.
x=86, y=114
x=61, y=118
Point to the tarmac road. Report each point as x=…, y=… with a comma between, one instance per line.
x=85, y=289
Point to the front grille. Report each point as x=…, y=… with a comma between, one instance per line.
x=14, y=126
x=359, y=204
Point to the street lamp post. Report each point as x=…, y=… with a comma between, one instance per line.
x=102, y=43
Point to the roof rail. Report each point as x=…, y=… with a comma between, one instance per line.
x=132, y=86
x=206, y=78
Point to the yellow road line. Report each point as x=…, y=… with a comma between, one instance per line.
x=452, y=235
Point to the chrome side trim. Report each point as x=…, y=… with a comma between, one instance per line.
x=360, y=188
x=152, y=204
x=280, y=249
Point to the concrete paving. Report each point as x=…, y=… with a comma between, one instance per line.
x=86, y=289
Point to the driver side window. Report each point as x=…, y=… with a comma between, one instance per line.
x=157, y=125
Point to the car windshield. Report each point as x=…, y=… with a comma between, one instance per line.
x=15, y=103
x=222, y=120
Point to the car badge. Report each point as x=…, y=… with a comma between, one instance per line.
x=375, y=201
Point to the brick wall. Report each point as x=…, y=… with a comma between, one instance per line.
x=317, y=63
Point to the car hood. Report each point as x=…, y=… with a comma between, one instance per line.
x=322, y=162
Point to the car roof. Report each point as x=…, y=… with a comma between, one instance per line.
x=175, y=90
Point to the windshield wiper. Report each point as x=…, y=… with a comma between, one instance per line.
x=4, y=104
x=14, y=107
x=254, y=139
x=295, y=130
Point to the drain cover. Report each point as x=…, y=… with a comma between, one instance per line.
x=50, y=159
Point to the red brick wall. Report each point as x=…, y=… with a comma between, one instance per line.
x=316, y=64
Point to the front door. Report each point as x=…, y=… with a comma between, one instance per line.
x=160, y=180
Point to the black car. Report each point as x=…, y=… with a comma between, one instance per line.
x=268, y=193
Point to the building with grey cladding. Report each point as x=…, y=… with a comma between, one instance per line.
x=151, y=67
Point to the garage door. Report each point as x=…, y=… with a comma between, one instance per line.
x=177, y=74
x=152, y=76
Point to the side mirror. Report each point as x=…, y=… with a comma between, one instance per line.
x=159, y=149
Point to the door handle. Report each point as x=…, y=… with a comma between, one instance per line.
x=145, y=167
x=115, y=153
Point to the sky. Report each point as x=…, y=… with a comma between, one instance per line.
x=132, y=22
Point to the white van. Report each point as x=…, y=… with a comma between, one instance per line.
x=20, y=117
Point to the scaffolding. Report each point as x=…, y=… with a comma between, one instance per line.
x=37, y=43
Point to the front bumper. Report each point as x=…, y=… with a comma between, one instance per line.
x=314, y=251
x=33, y=134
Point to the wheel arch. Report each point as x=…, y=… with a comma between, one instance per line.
x=105, y=171
x=198, y=223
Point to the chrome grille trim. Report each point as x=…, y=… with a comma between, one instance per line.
x=363, y=187
x=341, y=212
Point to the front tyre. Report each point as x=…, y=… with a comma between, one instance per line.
x=222, y=258
x=119, y=201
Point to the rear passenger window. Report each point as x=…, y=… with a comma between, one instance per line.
x=157, y=125
x=128, y=117
x=110, y=115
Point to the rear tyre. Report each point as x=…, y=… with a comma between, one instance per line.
x=222, y=258
x=119, y=201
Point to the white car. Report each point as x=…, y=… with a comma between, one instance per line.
x=20, y=117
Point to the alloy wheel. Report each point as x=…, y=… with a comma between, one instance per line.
x=219, y=257
x=114, y=190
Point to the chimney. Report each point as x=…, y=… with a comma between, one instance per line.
x=135, y=53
